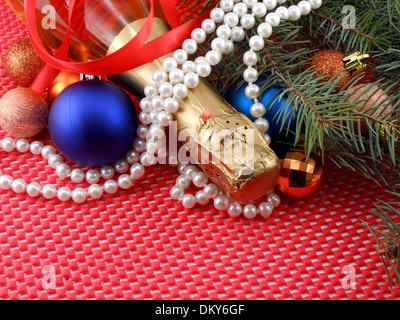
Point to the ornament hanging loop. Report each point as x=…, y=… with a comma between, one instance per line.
x=356, y=62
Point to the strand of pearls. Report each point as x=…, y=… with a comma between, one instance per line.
x=179, y=74
x=63, y=171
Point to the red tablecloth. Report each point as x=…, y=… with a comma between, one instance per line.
x=140, y=244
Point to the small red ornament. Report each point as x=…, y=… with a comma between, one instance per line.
x=22, y=63
x=23, y=113
x=298, y=177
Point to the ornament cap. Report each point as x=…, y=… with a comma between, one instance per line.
x=356, y=62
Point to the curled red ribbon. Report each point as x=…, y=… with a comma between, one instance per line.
x=137, y=50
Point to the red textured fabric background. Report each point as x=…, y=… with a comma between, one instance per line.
x=140, y=244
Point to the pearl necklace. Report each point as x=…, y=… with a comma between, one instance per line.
x=162, y=100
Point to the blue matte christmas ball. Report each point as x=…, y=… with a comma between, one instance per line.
x=93, y=122
x=273, y=102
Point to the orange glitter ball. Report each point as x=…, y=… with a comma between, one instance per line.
x=298, y=177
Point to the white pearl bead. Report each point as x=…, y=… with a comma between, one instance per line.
x=176, y=76
x=250, y=211
x=142, y=132
x=49, y=191
x=151, y=146
x=157, y=102
x=139, y=145
x=169, y=64
x=156, y=131
x=95, y=191
x=191, y=79
x=238, y=34
x=182, y=168
x=190, y=46
x=247, y=21
x=77, y=175
x=265, y=209
x=262, y=124
x=110, y=187
x=183, y=181
x=250, y=74
x=295, y=13
x=201, y=198
x=231, y=20
x=125, y=182
x=259, y=9
x=211, y=191
x=33, y=189
x=250, y=58
x=264, y=30
x=36, y=147
x=200, y=179
x=274, y=200
x=18, y=185
x=199, y=35
x=5, y=182
x=229, y=47
x=218, y=44
x=164, y=118
x=221, y=203
x=249, y=3
x=213, y=57
x=257, y=110
x=55, y=160
x=188, y=201
x=270, y=4
x=267, y=138
x=171, y=105
x=189, y=66
x=107, y=172
x=165, y=89
x=64, y=194
x=147, y=159
x=79, y=195
x=150, y=90
x=240, y=9
x=256, y=43
x=273, y=19
x=144, y=118
x=226, y=5
x=180, y=91
x=146, y=105
x=137, y=171
x=190, y=171
x=8, y=144
x=235, y=209
x=224, y=32
x=121, y=166
x=203, y=69
x=180, y=56
x=208, y=26
x=177, y=192
x=217, y=15
x=92, y=176
x=305, y=7
x=315, y=4
x=63, y=170
x=159, y=76
x=252, y=91
x=22, y=145
x=283, y=13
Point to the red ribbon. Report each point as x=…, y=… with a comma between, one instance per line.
x=139, y=52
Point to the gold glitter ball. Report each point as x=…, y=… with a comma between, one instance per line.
x=22, y=63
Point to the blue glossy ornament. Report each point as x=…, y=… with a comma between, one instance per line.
x=273, y=102
x=93, y=122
